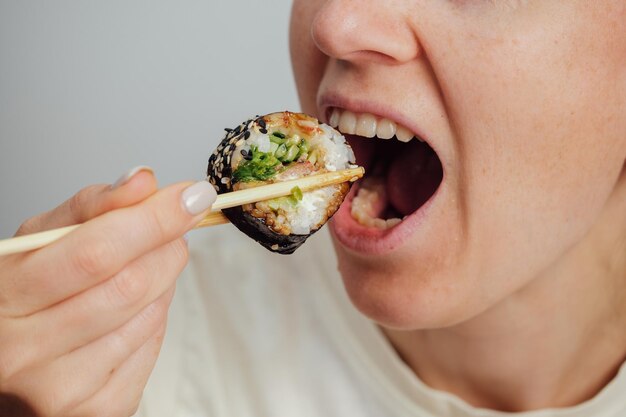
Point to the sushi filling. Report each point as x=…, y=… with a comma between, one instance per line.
x=400, y=178
x=275, y=154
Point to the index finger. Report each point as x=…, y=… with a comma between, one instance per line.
x=105, y=245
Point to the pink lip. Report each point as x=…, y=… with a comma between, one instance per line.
x=372, y=241
x=350, y=233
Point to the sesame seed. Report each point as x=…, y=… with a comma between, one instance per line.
x=263, y=130
x=247, y=135
x=262, y=123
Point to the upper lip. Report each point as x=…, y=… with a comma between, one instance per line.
x=328, y=101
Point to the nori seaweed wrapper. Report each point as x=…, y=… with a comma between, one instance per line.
x=220, y=174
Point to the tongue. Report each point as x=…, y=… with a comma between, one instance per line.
x=413, y=177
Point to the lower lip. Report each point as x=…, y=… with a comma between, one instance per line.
x=373, y=241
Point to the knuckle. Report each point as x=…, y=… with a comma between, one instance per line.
x=128, y=287
x=125, y=341
x=93, y=258
x=75, y=205
x=157, y=312
x=119, y=345
x=157, y=224
x=180, y=253
x=31, y=225
x=78, y=205
x=145, y=323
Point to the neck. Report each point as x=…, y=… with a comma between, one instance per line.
x=555, y=343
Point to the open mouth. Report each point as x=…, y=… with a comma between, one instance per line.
x=402, y=172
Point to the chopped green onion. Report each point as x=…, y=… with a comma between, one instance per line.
x=278, y=135
x=277, y=140
x=304, y=148
x=296, y=193
x=261, y=167
x=292, y=153
x=281, y=151
x=294, y=140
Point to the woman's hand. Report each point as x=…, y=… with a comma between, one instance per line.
x=82, y=320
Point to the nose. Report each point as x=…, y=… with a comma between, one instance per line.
x=370, y=30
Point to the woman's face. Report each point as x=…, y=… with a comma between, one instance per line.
x=523, y=103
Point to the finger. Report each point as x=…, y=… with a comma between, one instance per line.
x=122, y=393
x=134, y=186
x=103, y=246
x=101, y=309
x=62, y=385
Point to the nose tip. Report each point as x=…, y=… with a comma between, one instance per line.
x=333, y=36
x=362, y=29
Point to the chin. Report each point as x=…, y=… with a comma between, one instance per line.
x=400, y=292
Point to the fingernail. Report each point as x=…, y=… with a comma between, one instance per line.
x=129, y=175
x=199, y=197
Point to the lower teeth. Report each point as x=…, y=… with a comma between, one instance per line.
x=367, y=203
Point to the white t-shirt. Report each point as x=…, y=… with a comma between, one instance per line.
x=257, y=334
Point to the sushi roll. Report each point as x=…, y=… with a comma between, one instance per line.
x=280, y=147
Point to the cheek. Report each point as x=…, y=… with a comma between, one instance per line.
x=541, y=151
x=540, y=122
x=307, y=61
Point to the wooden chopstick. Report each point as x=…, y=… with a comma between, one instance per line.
x=236, y=198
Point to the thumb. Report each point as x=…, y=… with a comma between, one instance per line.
x=134, y=186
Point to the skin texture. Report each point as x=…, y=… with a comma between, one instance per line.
x=92, y=295
x=519, y=273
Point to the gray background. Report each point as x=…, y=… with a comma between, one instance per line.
x=89, y=89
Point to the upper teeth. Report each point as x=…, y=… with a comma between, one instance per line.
x=368, y=125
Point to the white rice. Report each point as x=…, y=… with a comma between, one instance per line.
x=337, y=155
x=311, y=211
